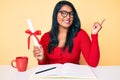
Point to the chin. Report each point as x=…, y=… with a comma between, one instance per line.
x=66, y=26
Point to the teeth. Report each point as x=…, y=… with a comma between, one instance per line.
x=66, y=21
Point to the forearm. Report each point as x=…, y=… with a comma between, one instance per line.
x=94, y=51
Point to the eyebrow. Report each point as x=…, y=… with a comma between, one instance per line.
x=66, y=10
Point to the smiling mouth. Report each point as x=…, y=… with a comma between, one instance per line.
x=67, y=22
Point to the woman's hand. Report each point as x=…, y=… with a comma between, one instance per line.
x=38, y=53
x=97, y=27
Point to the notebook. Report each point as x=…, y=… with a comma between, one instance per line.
x=62, y=72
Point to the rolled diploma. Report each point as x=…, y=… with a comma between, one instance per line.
x=32, y=30
x=34, y=39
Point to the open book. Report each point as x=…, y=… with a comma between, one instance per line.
x=62, y=71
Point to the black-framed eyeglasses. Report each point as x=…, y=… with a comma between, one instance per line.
x=65, y=13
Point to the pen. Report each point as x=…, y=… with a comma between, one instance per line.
x=45, y=70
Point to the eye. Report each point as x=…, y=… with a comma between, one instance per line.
x=64, y=12
x=71, y=13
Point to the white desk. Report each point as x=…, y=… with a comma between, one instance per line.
x=102, y=72
x=107, y=72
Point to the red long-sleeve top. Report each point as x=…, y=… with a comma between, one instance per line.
x=81, y=43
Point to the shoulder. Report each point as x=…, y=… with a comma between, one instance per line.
x=82, y=35
x=46, y=36
x=82, y=32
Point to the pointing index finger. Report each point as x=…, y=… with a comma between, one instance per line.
x=102, y=21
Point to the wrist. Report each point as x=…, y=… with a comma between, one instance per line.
x=41, y=58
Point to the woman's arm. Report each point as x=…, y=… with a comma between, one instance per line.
x=90, y=48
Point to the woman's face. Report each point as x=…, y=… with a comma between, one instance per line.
x=65, y=16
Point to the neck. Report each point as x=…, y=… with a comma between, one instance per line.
x=63, y=30
x=62, y=36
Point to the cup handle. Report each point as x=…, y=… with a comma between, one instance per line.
x=13, y=64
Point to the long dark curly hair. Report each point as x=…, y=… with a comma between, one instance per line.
x=73, y=29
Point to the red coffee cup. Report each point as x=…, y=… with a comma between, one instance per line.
x=21, y=63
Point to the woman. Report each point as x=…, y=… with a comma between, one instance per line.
x=66, y=39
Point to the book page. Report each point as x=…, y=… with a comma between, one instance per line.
x=52, y=72
x=80, y=71
x=63, y=71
